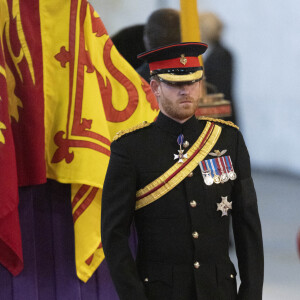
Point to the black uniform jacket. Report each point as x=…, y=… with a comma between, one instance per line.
x=182, y=248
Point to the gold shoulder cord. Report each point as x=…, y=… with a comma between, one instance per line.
x=229, y=123
x=138, y=126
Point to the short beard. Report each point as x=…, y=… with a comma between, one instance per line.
x=181, y=114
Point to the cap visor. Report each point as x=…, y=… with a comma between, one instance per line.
x=171, y=77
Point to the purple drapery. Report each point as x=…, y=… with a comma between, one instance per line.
x=48, y=248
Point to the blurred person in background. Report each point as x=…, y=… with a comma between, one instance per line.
x=218, y=61
x=162, y=28
x=129, y=42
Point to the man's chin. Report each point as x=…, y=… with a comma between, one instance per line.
x=185, y=116
x=187, y=112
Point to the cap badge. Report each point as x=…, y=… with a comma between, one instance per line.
x=183, y=59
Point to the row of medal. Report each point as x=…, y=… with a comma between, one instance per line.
x=217, y=170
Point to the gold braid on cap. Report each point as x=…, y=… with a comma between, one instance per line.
x=138, y=126
x=229, y=123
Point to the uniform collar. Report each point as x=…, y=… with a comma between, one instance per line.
x=167, y=124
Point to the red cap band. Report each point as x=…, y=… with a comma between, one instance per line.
x=175, y=63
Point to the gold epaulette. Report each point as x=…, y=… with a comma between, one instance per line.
x=138, y=126
x=229, y=123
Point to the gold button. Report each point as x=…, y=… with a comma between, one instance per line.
x=193, y=203
x=195, y=234
x=196, y=265
x=146, y=279
x=191, y=174
x=231, y=276
x=186, y=144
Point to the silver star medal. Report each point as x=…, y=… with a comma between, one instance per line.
x=224, y=206
x=180, y=156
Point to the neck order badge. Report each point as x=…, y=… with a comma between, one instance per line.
x=180, y=156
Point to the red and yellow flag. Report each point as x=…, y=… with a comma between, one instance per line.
x=84, y=92
x=10, y=236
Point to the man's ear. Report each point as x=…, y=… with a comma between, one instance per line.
x=155, y=87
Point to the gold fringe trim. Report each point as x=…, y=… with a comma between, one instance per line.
x=138, y=126
x=229, y=123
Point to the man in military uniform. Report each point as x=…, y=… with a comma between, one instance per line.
x=180, y=179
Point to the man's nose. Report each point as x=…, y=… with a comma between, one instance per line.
x=185, y=89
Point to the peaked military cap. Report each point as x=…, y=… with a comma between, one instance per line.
x=176, y=63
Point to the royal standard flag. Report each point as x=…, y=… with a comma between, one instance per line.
x=85, y=92
x=10, y=235
x=90, y=93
